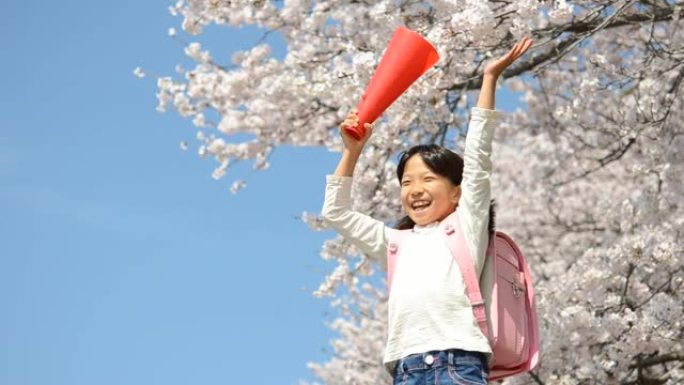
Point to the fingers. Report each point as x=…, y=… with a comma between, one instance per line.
x=520, y=47
x=351, y=120
x=496, y=67
x=518, y=50
x=368, y=131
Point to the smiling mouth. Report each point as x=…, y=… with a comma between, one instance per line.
x=419, y=206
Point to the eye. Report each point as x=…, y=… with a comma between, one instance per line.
x=429, y=178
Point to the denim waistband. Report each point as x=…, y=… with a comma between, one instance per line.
x=437, y=358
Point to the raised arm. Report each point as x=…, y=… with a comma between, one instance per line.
x=367, y=233
x=494, y=69
x=475, y=186
x=352, y=147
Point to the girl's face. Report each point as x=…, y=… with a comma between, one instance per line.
x=426, y=196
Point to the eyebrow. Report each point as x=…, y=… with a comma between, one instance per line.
x=419, y=175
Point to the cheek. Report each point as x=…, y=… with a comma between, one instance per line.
x=404, y=196
x=442, y=194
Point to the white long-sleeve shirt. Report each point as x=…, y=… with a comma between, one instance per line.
x=428, y=306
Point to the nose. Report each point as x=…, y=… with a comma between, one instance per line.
x=416, y=191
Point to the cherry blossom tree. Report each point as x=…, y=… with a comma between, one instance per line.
x=588, y=174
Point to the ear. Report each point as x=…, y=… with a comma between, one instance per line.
x=455, y=194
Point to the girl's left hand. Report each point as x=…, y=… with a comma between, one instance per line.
x=496, y=67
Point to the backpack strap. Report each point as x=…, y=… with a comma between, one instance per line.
x=456, y=243
x=394, y=241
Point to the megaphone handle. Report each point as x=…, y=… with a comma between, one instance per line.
x=357, y=132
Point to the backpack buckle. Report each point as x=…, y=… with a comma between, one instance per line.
x=477, y=303
x=516, y=290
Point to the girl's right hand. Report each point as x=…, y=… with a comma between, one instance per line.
x=350, y=143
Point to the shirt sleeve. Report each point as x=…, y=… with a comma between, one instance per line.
x=475, y=186
x=365, y=232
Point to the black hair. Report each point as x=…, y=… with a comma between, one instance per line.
x=438, y=159
x=441, y=161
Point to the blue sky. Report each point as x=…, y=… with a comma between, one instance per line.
x=121, y=260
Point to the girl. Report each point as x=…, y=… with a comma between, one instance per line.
x=433, y=337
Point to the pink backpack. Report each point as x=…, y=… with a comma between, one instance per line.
x=514, y=336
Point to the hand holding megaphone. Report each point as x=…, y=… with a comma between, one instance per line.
x=353, y=143
x=406, y=58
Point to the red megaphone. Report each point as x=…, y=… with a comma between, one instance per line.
x=407, y=57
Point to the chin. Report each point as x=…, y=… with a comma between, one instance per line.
x=422, y=221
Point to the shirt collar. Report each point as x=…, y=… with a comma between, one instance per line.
x=425, y=228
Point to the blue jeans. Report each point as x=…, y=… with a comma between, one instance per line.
x=454, y=366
